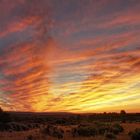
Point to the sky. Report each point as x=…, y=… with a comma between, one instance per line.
x=78, y=56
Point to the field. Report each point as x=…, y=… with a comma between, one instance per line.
x=28, y=126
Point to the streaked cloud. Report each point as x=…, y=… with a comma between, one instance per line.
x=77, y=56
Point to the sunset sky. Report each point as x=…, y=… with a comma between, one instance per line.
x=70, y=55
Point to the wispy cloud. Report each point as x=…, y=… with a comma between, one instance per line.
x=77, y=56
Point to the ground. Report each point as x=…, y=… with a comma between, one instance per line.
x=37, y=135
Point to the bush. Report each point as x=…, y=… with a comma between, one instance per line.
x=98, y=129
x=84, y=131
x=53, y=131
x=4, y=117
x=135, y=135
x=4, y=127
x=30, y=137
x=110, y=136
x=12, y=126
x=102, y=130
x=18, y=126
x=116, y=129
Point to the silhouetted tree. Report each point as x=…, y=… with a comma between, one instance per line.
x=1, y=110
x=4, y=116
x=123, y=116
x=122, y=112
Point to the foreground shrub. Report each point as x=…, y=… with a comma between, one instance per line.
x=13, y=127
x=53, y=131
x=135, y=135
x=33, y=125
x=18, y=126
x=30, y=137
x=97, y=129
x=103, y=129
x=110, y=136
x=4, y=127
x=116, y=129
x=85, y=131
x=4, y=117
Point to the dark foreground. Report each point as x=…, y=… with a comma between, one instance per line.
x=66, y=126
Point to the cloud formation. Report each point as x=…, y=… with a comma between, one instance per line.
x=77, y=56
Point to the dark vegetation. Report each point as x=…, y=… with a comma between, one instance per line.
x=71, y=119
x=4, y=117
x=53, y=131
x=108, y=125
x=97, y=129
x=30, y=137
x=135, y=135
x=110, y=136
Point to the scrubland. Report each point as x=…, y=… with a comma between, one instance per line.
x=70, y=127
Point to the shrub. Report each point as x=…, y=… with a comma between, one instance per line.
x=53, y=131
x=117, y=128
x=102, y=130
x=58, y=133
x=97, y=129
x=30, y=137
x=4, y=117
x=61, y=121
x=4, y=127
x=17, y=126
x=110, y=136
x=114, y=131
x=74, y=132
x=135, y=135
x=85, y=131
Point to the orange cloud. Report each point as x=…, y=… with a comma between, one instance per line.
x=88, y=60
